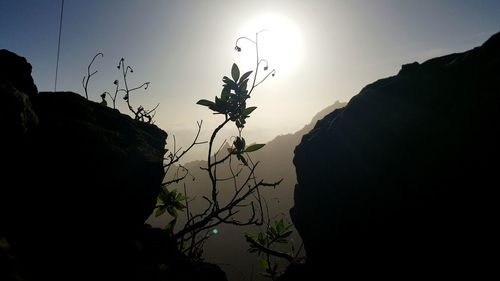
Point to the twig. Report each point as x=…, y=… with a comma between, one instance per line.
x=85, y=81
x=269, y=251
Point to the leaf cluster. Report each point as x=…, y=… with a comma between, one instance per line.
x=170, y=202
x=276, y=233
x=140, y=113
x=270, y=268
x=232, y=100
x=265, y=242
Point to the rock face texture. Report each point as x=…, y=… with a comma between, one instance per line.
x=402, y=180
x=17, y=71
x=78, y=181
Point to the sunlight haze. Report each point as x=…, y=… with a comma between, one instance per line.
x=322, y=51
x=305, y=138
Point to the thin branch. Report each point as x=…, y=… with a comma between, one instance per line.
x=273, y=72
x=268, y=251
x=175, y=157
x=85, y=81
x=145, y=85
x=177, y=179
x=232, y=177
x=235, y=183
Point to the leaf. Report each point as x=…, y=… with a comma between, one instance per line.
x=249, y=235
x=170, y=226
x=235, y=73
x=271, y=232
x=178, y=205
x=206, y=103
x=172, y=211
x=219, y=102
x=160, y=211
x=249, y=110
x=242, y=87
x=159, y=201
x=242, y=159
x=261, y=239
x=254, y=147
x=226, y=92
x=230, y=83
x=264, y=264
x=279, y=225
x=245, y=76
x=180, y=197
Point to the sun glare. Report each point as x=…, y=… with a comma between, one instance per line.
x=280, y=44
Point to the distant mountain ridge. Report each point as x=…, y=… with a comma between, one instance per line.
x=277, y=156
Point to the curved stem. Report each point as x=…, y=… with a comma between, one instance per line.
x=264, y=79
x=246, y=38
x=257, y=62
x=209, y=161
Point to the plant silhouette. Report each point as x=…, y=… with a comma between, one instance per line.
x=139, y=113
x=232, y=105
x=86, y=78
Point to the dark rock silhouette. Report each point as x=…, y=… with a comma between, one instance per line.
x=17, y=71
x=78, y=181
x=401, y=182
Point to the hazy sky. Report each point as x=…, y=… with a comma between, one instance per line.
x=323, y=50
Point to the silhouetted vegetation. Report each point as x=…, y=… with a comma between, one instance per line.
x=232, y=105
x=139, y=112
x=267, y=244
x=86, y=78
x=246, y=198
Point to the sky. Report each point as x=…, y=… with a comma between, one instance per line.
x=322, y=51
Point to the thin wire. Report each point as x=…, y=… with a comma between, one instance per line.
x=59, y=45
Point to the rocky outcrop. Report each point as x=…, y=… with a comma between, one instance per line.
x=16, y=71
x=78, y=181
x=402, y=180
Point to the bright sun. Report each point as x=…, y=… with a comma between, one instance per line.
x=280, y=44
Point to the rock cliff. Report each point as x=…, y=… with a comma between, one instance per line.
x=78, y=181
x=402, y=180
